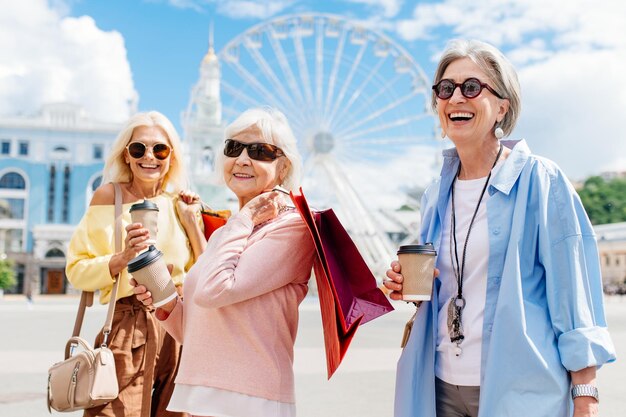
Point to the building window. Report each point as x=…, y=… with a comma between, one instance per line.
x=96, y=183
x=12, y=208
x=53, y=174
x=23, y=148
x=11, y=240
x=55, y=253
x=12, y=180
x=97, y=152
x=5, y=147
x=66, y=195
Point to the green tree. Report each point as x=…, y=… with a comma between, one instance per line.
x=604, y=201
x=7, y=274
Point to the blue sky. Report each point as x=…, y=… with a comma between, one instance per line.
x=107, y=55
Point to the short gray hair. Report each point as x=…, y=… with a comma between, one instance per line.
x=501, y=73
x=117, y=170
x=274, y=129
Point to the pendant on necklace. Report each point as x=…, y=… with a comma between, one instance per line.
x=455, y=325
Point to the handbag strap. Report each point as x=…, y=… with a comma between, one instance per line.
x=86, y=298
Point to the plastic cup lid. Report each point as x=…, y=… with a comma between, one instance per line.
x=144, y=259
x=426, y=249
x=144, y=205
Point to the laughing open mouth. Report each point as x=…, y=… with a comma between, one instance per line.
x=460, y=116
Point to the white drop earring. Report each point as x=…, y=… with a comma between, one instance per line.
x=499, y=133
x=443, y=134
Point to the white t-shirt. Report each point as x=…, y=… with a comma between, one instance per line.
x=465, y=368
x=207, y=401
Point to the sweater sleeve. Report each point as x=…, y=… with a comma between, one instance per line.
x=90, y=251
x=173, y=324
x=235, y=271
x=568, y=252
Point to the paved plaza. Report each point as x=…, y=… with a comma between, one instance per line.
x=33, y=337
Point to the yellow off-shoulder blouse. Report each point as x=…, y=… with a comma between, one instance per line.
x=92, y=246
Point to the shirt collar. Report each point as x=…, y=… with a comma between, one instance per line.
x=506, y=176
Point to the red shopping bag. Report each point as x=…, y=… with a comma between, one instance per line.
x=213, y=220
x=347, y=289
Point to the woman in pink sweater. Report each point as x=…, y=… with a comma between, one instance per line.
x=239, y=318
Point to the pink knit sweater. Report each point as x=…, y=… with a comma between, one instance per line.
x=239, y=318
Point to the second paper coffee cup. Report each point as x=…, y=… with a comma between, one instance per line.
x=418, y=265
x=149, y=269
x=146, y=213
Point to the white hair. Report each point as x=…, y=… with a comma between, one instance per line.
x=274, y=129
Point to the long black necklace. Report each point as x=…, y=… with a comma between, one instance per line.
x=457, y=303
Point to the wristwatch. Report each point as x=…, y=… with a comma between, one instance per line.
x=585, y=390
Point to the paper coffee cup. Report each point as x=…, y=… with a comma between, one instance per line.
x=149, y=269
x=146, y=213
x=418, y=265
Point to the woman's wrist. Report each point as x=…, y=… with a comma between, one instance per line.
x=163, y=312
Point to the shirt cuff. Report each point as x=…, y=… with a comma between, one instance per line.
x=585, y=347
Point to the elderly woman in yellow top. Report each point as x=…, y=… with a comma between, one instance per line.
x=146, y=161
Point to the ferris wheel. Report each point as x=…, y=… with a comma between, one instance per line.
x=354, y=98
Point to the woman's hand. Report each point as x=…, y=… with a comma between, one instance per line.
x=136, y=240
x=265, y=207
x=188, y=205
x=394, y=283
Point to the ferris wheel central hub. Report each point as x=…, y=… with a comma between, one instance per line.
x=323, y=143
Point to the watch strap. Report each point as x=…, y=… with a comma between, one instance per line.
x=585, y=390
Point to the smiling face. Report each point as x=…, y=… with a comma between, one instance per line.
x=147, y=168
x=469, y=120
x=248, y=178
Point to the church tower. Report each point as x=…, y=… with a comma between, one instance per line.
x=203, y=130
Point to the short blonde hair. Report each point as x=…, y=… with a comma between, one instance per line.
x=117, y=170
x=274, y=129
x=501, y=73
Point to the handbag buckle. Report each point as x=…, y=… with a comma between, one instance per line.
x=106, y=337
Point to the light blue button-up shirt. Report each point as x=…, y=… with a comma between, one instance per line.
x=544, y=312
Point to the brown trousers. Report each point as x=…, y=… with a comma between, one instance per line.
x=146, y=361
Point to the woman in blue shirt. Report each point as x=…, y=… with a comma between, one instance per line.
x=516, y=323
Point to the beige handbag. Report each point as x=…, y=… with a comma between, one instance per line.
x=88, y=378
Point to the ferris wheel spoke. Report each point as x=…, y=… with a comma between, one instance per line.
x=333, y=75
x=304, y=70
x=346, y=84
x=384, y=126
x=374, y=243
x=284, y=65
x=254, y=83
x=357, y=93
x=379, y=112
x=269, y=73
x=237, y=94
x=372, y=99
x=386, y=140
x=319, y=71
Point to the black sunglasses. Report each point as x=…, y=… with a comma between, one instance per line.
x=160, y=150
x=257, y=151
x=470, y=88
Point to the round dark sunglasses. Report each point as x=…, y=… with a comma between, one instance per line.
x=257, y=151
x=160, y=150
x=470, y=88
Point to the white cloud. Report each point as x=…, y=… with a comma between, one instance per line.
x=572, y=112
x=571, y=57
x=47, y=57
x=390, y=8
x=237, y=9
x=252, y=9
